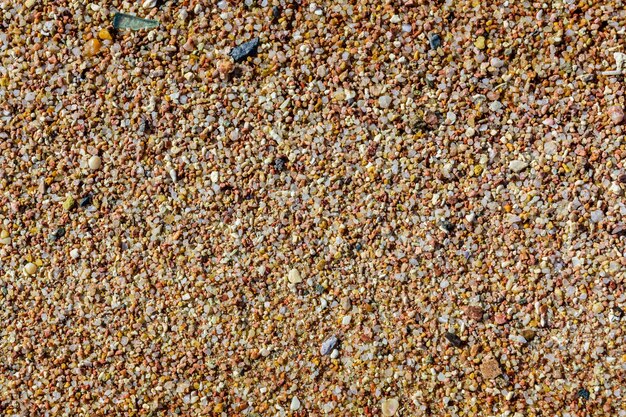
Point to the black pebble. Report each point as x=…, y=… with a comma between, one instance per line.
x=275, y=13
x=454, y=339
x=435, y=41
x=618, y=312
x=85, y=201
x=446, y=226
x=583, y=393
x=280, y=163
x=245, y=50
x=57, y=234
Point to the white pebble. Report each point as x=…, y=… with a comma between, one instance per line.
x=384, y=102
x=149, y=4
x=346, y=320
x=74, y=253
x=597, y=216
x=616, y=189
x=95, y=162
x=215, y=176
x=390, y=406
x=334, y=354
x=30, y=268
x=395, y=19
x=295, y=404
x=517, y=166
x=294, y=276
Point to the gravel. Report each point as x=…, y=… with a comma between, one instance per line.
x=406, y=177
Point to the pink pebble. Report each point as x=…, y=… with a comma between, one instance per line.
x=616, y=113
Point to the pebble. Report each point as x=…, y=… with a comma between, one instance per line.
x=345, y=303
x=490, y=368
x=474, y=313
x=390, y=406
x=328, y=345
x=528, y=334
x=597, y=216
x=500, y=318
x=246, y=49
x=105, y=35
x=74, y=253
x=434, y=41
x=294, y=276
x=518, y=166
x=149, y=4
x=69, y=203
x=92, y=47
x=480, y=42
x=334, y=354
x=295, y=404
x=616, y=113
x=616, y=189
x=346, y=320
x=95, y=163
x=454, y=339
x=384, y=102
x=5, y=237
x=30, y=268
x=550, y=148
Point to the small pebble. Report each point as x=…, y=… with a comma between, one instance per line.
x=95, y=163
x=105, y=35
x=5, y=237
x=490, y=368
x=30, y=268
x=295, y=404
x=454, y=339
x=616, y=113
x=434, y=41
x=246, y=49
x=390, y=406
x=346, y=304
x=69, y=203
x=328, y=345
x=346, y=320
x=334, y=354
x=294, y=276
x=92, y=47
x=528, y=334
x=474, y=313
x=149, y=4
x=74, y=253
x=384, y=102
x=480, y=42
x=517, y=166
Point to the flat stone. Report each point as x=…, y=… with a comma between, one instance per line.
x=246, y=49
x=328, y=345
x=474, y=313
x=490, y=368
x=454, y=339
x=517, y=166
